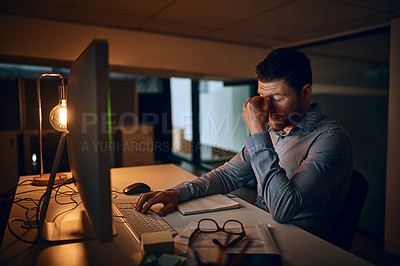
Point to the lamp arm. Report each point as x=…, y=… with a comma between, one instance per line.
x=39, y=99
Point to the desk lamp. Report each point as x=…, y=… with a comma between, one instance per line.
x=58, y=120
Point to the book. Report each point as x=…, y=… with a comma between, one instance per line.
x=217, y=202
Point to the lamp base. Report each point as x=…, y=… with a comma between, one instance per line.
x=43, y=180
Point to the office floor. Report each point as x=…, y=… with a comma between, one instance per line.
x=364, y=247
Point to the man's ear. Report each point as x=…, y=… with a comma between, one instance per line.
x=306, y=92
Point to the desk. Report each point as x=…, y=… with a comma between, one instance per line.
x=297, y=246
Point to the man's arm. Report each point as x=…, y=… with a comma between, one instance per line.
x=327, y=163
x=224, y=179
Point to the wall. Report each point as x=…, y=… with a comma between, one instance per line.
x=352, y=88
x=358, y=114
x=392, y=218
x=131, y=51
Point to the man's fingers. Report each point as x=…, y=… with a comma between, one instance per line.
x=143, y=199
x=168, y=198
x=247, y=102
x=259, y=100
x=157, y=198
x=255, y=113
x=256, y=100
x=147, y=206
x=167, y=209
x=265, y=105
x=255, y=104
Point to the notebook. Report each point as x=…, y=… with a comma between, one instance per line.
x=211, y=203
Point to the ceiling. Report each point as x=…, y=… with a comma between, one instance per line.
x=258, y=23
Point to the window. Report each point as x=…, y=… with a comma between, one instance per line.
x=181, y=108
x=208, y=126
x=222, y=127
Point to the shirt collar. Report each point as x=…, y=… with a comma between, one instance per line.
x=309, y=121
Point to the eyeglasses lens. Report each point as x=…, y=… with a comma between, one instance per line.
x=233, y=227
x=208, y=226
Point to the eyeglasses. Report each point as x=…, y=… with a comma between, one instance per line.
x=207, y=225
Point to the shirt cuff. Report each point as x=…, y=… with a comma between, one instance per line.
x=183, y=191
x=258, y=141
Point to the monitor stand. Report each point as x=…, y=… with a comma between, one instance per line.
x=69, y=230
x=63, y=231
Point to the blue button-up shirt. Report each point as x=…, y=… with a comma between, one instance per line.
x=302, y=177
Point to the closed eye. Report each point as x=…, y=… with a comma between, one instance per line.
x=276, y=99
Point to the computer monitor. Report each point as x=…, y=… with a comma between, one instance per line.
x=88, y=151
x=87, y=142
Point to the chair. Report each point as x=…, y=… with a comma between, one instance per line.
x=347, y=220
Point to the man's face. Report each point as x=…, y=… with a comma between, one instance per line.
x=286, y=106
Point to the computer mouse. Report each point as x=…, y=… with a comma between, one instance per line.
x=136, y=188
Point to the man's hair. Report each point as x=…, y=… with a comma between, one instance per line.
x=286, y=64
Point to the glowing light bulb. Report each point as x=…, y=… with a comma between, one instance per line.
x=58, y=116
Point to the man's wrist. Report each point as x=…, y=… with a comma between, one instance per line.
x=176, y=194
x=258, y=141
x=182, y=192
x=255, y=131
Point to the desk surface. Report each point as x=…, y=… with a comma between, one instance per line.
x=297, y=246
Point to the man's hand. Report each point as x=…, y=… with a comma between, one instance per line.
x=169, y=199
x=255, y=113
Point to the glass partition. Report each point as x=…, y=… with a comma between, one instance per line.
x=181, y=108
x=222, y=127
x=351, y=84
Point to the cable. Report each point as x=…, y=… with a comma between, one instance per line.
x=32, y=221
x=20, y=238
x=38, y=210
x=71, y=195
x=6, y=198
x=26, y=224
x=17, y=201
x=29, y=224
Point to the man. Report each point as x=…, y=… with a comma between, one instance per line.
x=301, y=160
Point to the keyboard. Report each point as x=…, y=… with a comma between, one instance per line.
x=137, y=222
